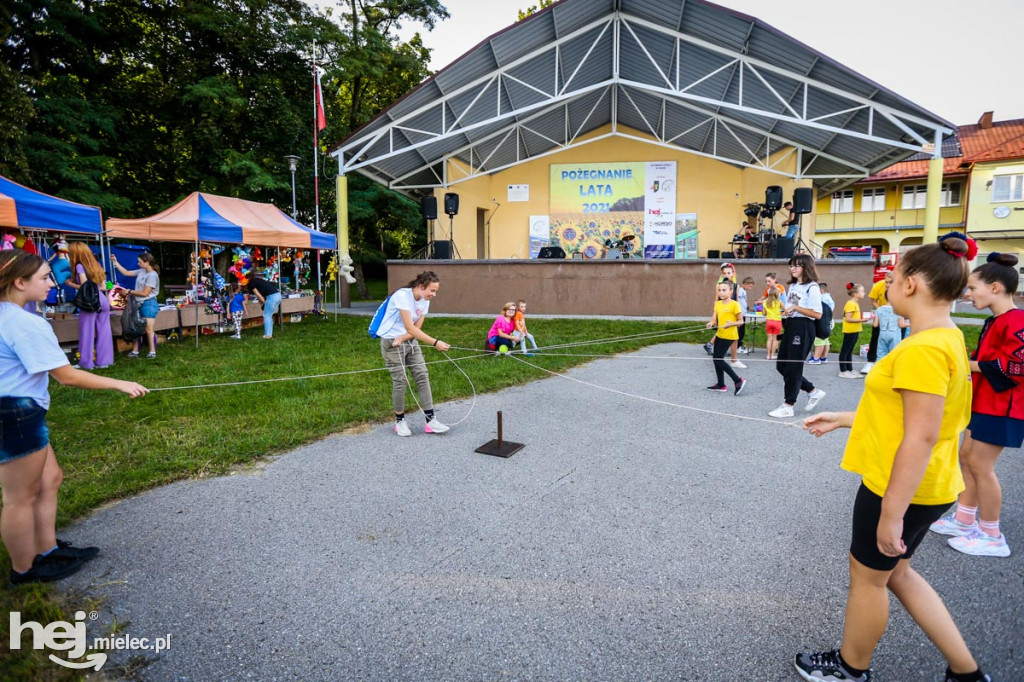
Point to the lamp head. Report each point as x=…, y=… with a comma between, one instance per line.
x=293, y=162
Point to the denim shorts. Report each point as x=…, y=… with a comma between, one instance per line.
x=150, y=308
x=23, y=428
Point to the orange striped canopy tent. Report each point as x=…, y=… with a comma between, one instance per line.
x=202, y=217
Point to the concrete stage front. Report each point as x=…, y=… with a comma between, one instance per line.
x=640, y=288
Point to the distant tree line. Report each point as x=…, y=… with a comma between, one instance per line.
x=131, y=105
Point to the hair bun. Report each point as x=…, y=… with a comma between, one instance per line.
x=1007, y=259
x=849, y=286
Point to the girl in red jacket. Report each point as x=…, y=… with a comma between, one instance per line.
x=997, y=410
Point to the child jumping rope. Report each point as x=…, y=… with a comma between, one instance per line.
x=727, y=317
x=997, y=410
x=903, y=442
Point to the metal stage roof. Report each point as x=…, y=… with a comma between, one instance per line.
x=682, y=74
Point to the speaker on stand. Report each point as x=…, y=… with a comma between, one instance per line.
x=428, y=210
x=773, y=197
x=451, y=208
x=803, y=203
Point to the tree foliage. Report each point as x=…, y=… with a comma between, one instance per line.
x=533, y=9
x=131, y=105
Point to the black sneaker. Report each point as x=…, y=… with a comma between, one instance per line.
x=709, y=349
x=66, y=551
x=718, y=387
x=825, y=666
x=979, y=676
x=46, y=569
x=740, y=385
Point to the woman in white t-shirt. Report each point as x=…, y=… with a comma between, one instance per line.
x=29, y=473
x=147, y=286
x=403, y=318
x=803, y=307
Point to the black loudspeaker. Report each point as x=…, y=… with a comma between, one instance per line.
x=803, y=200
x=551, y=252
x=714, y=254
x=784, y=248
x=443, y=249
x=451, y=203
x=773, y=197
x=428, y=208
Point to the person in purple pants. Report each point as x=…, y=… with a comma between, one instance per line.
x=93, y=328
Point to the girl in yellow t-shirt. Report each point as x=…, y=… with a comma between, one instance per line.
x=903, y=442
x=727, y=317
x=852, y=320
x=772, y=322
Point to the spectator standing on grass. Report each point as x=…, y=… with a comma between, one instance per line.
x=269, y=297
x=404, y=314
x=29, y=474
x=903, y=443
x=94, y=334
x=997, y=410
x=147, y=286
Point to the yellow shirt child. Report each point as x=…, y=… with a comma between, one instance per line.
x=725, y=312
x=773, y=312
x=851, y=327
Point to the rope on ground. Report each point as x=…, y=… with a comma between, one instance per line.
x=797, y=424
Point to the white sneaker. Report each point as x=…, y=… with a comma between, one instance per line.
x=851, y=375
x=782, y=411
x=980, y=544
x=434, y=426
x=743, y=350
x=738, y=365
x=813, y=398
x=948, y=525
x=402, y=428
x=867, y=368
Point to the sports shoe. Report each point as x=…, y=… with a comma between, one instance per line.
x=980, y=544
x=737, y=365
x=948, y=525
x=721, y=388
x=782, y=411
x=402, y=428
x=65, y=550
x=151, y=356
x=434, y=426
x=822, y=361
x=867, y=368
x=134, y=354
x=743, y=349
x=46, y=569
x=812, y=361
x=813, y=398
x=739, y=386
x=851, y=375
x=708, y=348
x=236, y=336
x=949, y=676
x=826, y=667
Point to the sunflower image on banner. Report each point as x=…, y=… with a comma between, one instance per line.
x=596, y=202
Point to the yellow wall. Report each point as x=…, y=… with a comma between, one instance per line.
x=979, y=209
x=717, y=192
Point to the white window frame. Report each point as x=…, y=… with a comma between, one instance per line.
x=872, y=199
x=1006, y=188
x=842, y=201
x=949, y=195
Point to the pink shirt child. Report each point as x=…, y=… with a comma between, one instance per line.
x=502, y=324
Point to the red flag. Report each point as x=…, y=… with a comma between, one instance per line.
x=321, y=119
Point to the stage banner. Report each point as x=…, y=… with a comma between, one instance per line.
x=660, y=209
x=540, y=233
x=686, y=236
x=593, y=204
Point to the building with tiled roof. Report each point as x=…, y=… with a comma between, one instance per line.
x=983, y=181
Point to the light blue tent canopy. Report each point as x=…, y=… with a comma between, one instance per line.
x=27, y=209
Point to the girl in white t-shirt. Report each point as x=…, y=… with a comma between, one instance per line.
x=29, y=473
x=403, y=318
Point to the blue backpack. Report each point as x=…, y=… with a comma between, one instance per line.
x=378, y=317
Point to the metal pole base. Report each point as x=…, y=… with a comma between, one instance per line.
x=499, y=447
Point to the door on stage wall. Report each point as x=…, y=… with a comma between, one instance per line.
x=481, y=233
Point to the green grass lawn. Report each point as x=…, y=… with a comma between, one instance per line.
x=111, y=447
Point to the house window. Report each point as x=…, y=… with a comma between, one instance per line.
x=915, y=196
x=842, y=202
x=873, y=199
x=1008, y=188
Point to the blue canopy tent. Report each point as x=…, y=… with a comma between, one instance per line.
x=31, y=211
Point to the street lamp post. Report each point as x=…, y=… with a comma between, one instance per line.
x=293, y=163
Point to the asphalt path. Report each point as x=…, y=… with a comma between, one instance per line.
x=629, y=540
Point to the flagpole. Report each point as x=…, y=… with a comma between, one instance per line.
x=317, y=104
